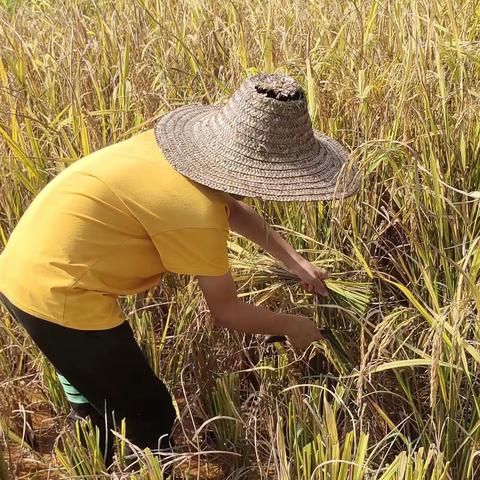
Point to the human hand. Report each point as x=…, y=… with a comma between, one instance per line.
x=302, y=333
x=312, y=277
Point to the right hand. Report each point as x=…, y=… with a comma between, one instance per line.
x=302, y=333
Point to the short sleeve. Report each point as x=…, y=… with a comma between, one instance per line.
x=194, y=251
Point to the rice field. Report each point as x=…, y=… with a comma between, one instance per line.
x=393, y=390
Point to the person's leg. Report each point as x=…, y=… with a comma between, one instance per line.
x=124, y=386
x=82, y=410
x=109, y=369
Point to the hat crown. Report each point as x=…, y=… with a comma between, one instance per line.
x=270, y=109
x=277, y=86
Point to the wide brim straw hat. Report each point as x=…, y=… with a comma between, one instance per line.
x=259, y=144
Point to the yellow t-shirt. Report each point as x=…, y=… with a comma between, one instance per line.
x=109, y=225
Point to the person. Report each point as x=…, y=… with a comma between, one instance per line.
x=161, y=201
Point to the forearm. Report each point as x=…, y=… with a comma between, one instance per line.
x=230, y=312
x=249, y=224
x=247, y=318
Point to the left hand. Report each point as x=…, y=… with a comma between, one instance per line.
x=312, y=277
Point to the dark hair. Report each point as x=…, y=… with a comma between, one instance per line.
x=237, y=197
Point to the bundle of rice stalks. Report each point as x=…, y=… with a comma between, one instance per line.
x=350, y=294
x=266, y=279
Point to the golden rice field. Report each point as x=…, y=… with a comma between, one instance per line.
x=393, y=392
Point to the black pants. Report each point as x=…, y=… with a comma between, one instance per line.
x=108, y=368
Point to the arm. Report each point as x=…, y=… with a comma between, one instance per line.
x=230, y=312
x=245, y=221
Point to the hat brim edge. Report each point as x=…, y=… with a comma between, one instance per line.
x=169, y=140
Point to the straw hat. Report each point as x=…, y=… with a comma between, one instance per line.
x=259, y=144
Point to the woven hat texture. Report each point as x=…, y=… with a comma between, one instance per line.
x=259, y=144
